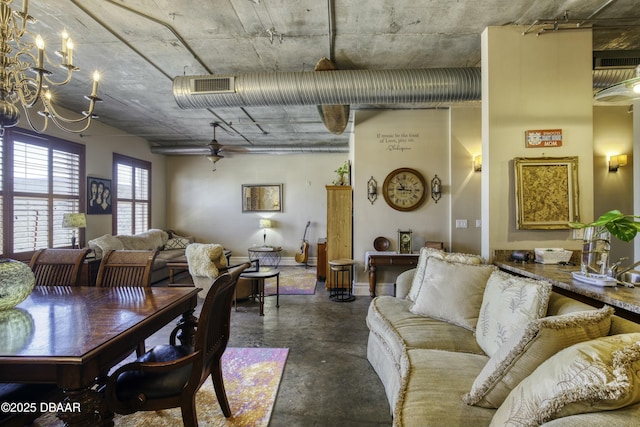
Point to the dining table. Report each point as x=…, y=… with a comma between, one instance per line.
x=73, y=336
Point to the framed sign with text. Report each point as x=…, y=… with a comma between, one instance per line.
x=543, y=138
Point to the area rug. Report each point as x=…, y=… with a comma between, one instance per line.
x=251, y=378
x=294, y=280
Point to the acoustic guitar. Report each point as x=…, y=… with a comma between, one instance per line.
x=303, y=256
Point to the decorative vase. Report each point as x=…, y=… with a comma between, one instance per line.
x=595, y=251
x=16, y=282
x=16, y=329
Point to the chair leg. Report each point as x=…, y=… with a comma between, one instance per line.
x=140, y=350
x=189, y=416
x=218, y=385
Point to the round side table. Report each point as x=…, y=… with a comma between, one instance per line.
x=260, y=277
x=341, y=289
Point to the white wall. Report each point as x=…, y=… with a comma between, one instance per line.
x=207, y=204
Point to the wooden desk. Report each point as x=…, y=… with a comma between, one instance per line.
x=382, y=259
x=70, y=336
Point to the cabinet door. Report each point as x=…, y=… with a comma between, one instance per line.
x=339, y=225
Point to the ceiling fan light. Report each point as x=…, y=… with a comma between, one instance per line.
x=636, y=87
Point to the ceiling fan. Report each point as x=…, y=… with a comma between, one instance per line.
x=625, y=91
x=215, y=147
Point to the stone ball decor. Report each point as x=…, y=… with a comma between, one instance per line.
x=16, y=282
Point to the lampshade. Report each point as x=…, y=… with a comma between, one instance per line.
x=265, y=223
x=74, y=220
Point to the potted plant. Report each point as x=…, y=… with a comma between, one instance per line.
x=597, y=236
x=341, y=171
x=621, y=226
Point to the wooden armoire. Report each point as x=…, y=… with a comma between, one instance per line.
x=339, y=225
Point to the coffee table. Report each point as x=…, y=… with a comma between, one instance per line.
x=260, y=276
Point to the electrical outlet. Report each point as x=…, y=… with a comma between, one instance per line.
x=478, y=223
x=462, y=223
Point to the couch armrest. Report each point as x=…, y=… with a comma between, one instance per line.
x=403, y=283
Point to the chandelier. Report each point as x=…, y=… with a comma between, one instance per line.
x=24, y=80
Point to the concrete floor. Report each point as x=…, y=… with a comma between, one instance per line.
x=327, y=379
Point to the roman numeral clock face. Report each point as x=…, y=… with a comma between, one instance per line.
x=404, y=189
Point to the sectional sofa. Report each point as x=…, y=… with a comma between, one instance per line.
x=168, y=244
x=464, y=344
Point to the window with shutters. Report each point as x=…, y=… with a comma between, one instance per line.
x=41, y=179
x=132, y=201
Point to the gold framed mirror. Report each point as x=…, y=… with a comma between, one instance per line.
x=261, y=197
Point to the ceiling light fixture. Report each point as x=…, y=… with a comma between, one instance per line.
x=20, y=55
x=215, y=148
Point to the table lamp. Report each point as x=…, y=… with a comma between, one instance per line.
x=264, y=224
x=73, y=221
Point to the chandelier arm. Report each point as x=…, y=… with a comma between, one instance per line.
x=57, y=117
x=61, y=126
x=27, y=115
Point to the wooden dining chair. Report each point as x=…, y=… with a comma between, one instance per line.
x=59, y=267
x=126, y=268
x=169, y=376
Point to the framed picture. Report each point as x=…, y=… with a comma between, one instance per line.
x=98, y=196
x=546, y=192
x=261, y=197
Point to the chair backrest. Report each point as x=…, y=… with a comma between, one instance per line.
x=214, y=324
x=59, y=267
x=125, y=268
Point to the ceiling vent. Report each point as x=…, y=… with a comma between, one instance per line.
x=606, y=59
x=213, y=85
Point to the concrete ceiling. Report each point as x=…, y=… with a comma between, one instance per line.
x=139, y=46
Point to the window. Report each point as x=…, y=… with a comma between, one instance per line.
x=40, y=181
x=132, y=201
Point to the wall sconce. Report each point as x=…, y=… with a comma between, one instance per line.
x=477, y=163
x=616, y=161
x=436, y=186
x=372, y=190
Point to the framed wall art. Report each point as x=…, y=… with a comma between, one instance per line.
x=262, y=198
x=546, y=192
x=98, y=196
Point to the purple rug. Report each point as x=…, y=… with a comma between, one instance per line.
x=294, y=280
x=251, y=378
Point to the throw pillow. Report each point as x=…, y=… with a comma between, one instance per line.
x=425, y=254
x=592, y=376
x=177, y=243
x=509, y=303
x=531, y=346
x=452, y=292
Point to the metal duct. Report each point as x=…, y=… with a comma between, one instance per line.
x=339, y=87
x=191, y=150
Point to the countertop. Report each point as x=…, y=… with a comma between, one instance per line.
x=620, y=297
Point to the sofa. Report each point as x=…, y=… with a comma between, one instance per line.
x=169, y=245
x=464, y=344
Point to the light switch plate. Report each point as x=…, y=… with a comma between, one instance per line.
x=462, y=223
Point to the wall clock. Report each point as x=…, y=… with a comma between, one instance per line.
x=404, y=189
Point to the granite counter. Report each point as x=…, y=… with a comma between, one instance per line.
x=625, y=300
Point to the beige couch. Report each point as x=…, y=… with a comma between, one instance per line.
x=451, y=351
x=168, y=244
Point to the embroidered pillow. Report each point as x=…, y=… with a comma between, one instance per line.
x=598, y=375
x=531, y=346
x=509, y=303
x=452, y=292
x=425, y=254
